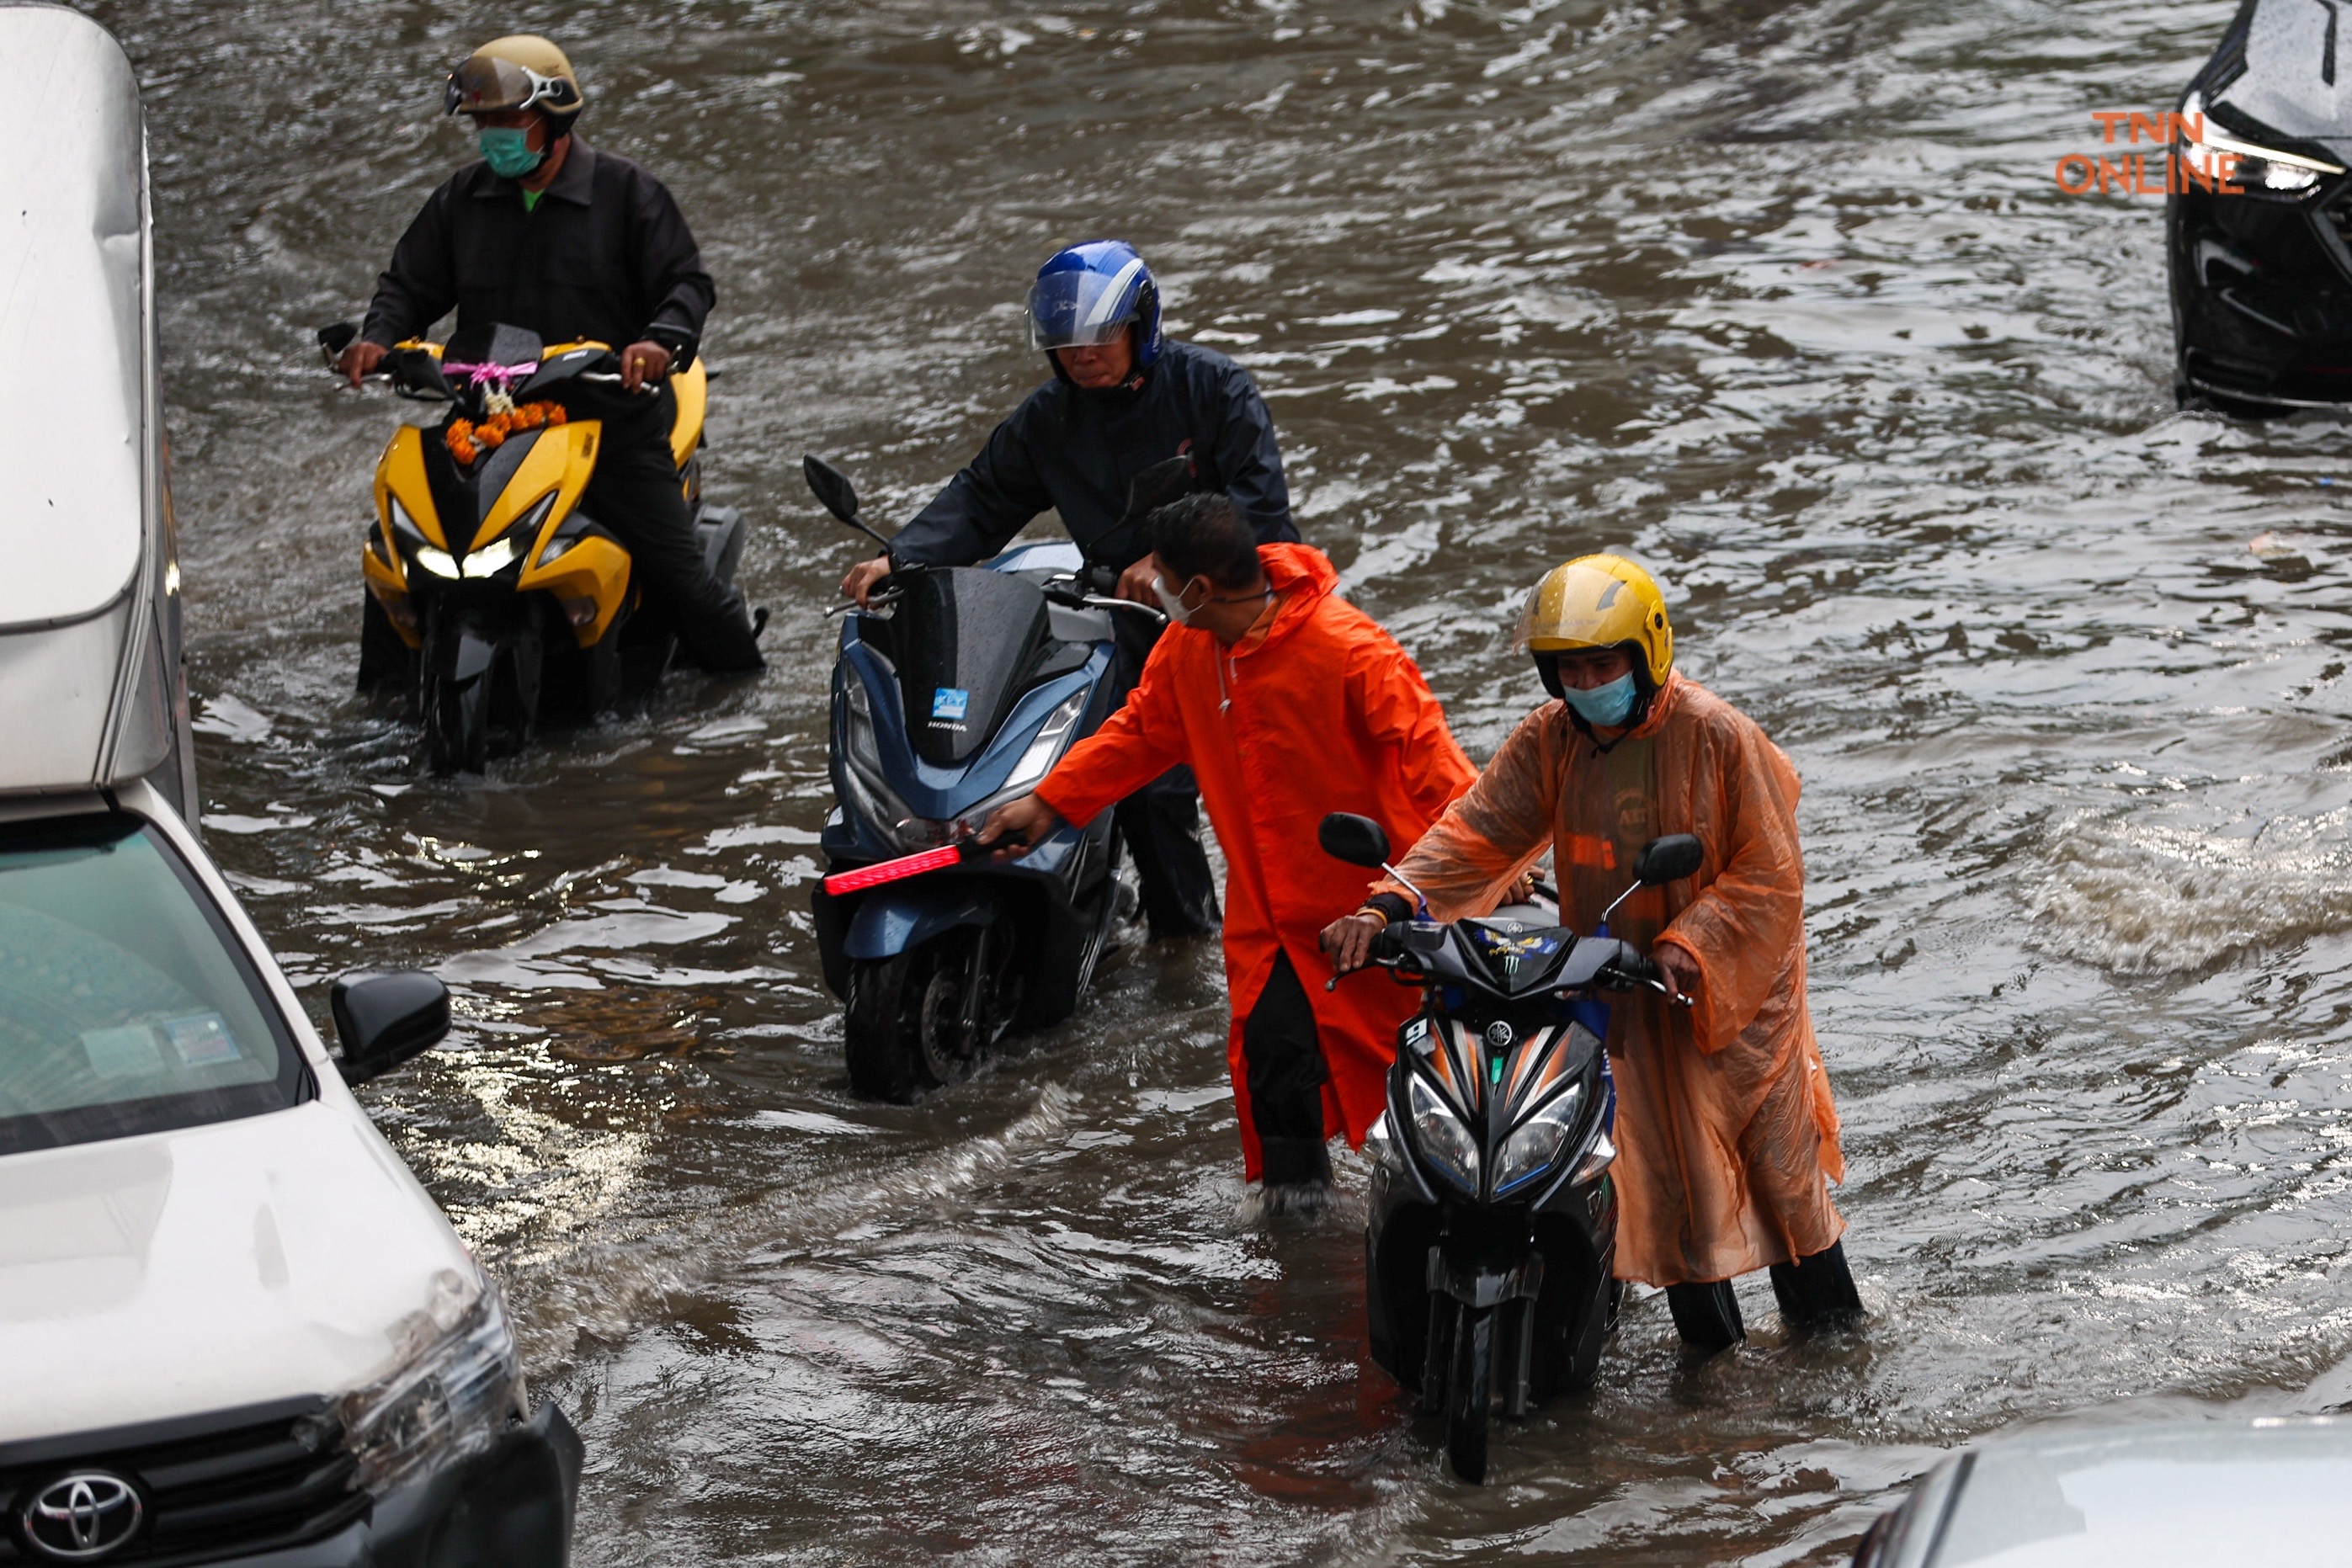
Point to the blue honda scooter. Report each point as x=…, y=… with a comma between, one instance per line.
x=957, y=689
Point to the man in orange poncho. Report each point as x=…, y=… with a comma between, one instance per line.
x=1726, y=1136
x=1287, y=703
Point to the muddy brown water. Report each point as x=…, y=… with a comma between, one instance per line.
x=1779, y=294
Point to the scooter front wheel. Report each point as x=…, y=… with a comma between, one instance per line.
x=882, y=1034
x=1468, y=1401
x=458, y=725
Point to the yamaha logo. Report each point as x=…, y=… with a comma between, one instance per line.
x=82, y=1518
x=1498, y=1034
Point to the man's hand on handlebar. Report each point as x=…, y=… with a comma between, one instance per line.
x=358, y=359
x=642, y=364
x=862, y=578
x=1348, y=941
x=1135, y=583
x=1678, y=968
x=1016, y=826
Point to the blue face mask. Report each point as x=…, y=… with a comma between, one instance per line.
x=508, y=152
x=1605, y=706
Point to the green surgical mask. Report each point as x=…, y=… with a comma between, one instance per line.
x=508, y=152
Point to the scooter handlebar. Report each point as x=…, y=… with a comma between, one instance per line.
x=1633, y=971
x=1388, y=949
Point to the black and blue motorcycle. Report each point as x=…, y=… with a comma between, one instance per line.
x=1492, y=1235
x=957, y=689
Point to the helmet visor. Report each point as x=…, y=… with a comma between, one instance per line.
x=1078, y=308
x=485, y=84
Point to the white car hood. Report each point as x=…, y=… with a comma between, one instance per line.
x=178, y=1273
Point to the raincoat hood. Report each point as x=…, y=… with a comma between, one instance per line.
x=1303, y=577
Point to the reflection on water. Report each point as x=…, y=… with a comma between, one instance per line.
x=1776, y=294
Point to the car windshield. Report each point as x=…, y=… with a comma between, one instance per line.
x=125, y=1006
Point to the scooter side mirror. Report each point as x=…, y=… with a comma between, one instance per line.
x=1358, y=840
x=836, y=495
x=832, y=488
x=334, y=339
x=1668, y=859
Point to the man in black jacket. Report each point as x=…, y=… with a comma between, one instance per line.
x=550, y=235
x=1123, y=399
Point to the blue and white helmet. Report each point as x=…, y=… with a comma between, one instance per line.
x=1090, y=294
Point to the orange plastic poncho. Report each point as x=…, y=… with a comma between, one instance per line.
x=1726, y=1133
x=1325, y=714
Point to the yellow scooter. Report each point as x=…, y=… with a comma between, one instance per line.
x=492, y=601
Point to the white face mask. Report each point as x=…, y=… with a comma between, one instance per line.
x=1178, y=615
x=1173, y=603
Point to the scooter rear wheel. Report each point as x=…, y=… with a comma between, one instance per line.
x=1468, y=1412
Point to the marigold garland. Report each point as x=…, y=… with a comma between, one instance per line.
x=469, y=439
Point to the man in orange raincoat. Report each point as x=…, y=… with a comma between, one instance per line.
x=1287, y=703
x=1726, y=1136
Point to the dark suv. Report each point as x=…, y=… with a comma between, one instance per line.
x=2261, y=281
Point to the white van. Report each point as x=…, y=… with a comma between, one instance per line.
x=232, y=1327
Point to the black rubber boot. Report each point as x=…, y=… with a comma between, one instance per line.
x=1297, y=1175
x=1816, y=1295
x=1706, y=1316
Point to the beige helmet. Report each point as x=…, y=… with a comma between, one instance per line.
x=524, y=71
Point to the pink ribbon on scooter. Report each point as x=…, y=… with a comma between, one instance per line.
x=482, y=375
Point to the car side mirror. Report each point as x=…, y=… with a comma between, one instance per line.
x=831, y=487
x=1668, y=859
x=1358, y=840
x=387, y=1018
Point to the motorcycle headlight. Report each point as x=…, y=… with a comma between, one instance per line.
x=439, y=562
x=404, y=526
x=861, y=754
x=2261, y=171
x=512, y=541
x=460, y=1387
x=1439, y=1132
x=1534, y=1143
x=1046, y=748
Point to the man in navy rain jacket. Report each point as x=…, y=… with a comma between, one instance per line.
x=1123, y=400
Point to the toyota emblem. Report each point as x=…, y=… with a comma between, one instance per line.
x=82, y=1517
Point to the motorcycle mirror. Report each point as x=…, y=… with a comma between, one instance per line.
x=1358, y=840
x=835, y=494
x=832, y=488
x=333, y=339
x=1668, y=859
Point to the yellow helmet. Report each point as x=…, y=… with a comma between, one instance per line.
x=1599, y=602
x=524, y=71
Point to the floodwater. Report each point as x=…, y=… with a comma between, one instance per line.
x=1779, y=294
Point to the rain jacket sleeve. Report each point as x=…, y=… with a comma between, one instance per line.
x=992, y=499
x=420, y=287
x=667, y=256
x=1742, y=928
x=1136, y=745
x=1501, y=827
x=1250, y=462
x=1427, y=770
